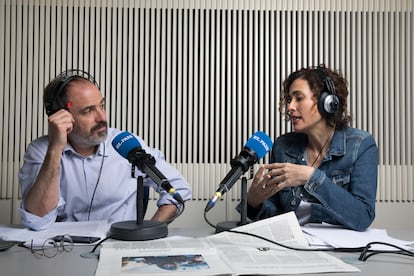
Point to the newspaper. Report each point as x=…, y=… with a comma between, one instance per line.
x=250, y=255
x=172, y=256
x=225, y=253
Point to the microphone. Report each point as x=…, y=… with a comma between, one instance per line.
x=254, y=149
x=129, y=147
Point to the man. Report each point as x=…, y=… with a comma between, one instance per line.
x=75, y=174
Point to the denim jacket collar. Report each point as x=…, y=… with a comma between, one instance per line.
x=337, y=147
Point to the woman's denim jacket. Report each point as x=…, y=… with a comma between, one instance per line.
x=342, y=190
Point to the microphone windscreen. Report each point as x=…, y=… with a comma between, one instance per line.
x=124, y=142
x=260, y=143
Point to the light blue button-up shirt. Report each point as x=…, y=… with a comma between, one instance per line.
x=108, y=171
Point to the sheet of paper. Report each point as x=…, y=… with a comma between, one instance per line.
x=336, y=236
x=84, y=228
x=14, y=233
x=283, y=229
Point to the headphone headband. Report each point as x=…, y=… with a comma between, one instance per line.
x=327, y=80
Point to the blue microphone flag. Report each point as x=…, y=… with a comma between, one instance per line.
x=124, y=142
x=260, y=143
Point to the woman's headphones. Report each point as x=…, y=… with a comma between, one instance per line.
x=328, y=102
x=53, y=92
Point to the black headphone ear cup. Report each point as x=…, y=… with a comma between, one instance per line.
x=53, y=104
x=328, y=104
x=48, y=108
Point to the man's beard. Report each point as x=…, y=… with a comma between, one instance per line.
x=89, y=139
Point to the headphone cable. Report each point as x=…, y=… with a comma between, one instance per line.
x=97, y=182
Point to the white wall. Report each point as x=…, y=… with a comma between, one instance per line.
x=197, y=92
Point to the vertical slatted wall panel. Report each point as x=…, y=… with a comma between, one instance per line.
x=197, y=78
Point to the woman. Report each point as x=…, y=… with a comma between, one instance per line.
x=324, y=170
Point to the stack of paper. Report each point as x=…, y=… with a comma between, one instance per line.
x=327, y=235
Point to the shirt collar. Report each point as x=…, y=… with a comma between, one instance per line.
x=337, y=147
x=102, y=149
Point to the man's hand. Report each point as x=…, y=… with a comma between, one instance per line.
x=60, y=125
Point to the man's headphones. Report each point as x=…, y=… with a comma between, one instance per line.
x=53, y=92
x=328, y=102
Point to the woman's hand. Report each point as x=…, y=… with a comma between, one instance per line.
x=272, y=178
